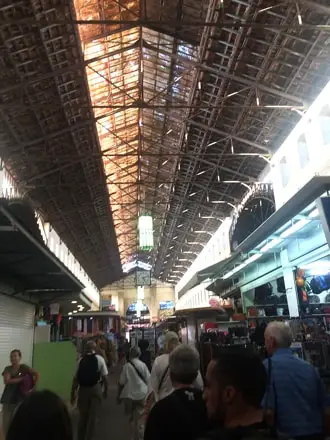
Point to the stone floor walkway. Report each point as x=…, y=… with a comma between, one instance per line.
x=112, y=424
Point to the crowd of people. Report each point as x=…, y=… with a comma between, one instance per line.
x=242, y=396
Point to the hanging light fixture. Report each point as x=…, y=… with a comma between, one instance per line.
x=146, y=234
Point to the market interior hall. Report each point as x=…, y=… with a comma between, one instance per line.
x=164, y=166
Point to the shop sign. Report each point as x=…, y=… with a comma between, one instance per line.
x=166, y=305
x=164, y=314
x=132, y=308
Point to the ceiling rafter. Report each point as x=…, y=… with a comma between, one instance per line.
x=158, y=107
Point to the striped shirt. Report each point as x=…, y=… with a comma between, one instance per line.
x=295, y=393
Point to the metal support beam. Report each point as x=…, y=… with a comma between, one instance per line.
x=67, y=130
x=79, y=65
x=167, y=154
x=234, y=24
x=223, y=133
x=198, y=184
x=255, y=84
x=220, y=73
x=144, y=105
x=313, y=6
x=7, y=229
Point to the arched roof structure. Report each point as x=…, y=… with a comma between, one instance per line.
x=113, y=108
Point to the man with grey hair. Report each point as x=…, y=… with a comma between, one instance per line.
x=278, y=335
x=160, y=382
x=294, y=399
x=182, y=414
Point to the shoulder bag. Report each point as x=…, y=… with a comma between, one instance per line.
x=138, y=373
x=151, y=398
x=162, y=379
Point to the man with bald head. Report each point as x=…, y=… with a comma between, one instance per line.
x=294, y=398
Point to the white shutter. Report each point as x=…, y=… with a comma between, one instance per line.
x=16, y=331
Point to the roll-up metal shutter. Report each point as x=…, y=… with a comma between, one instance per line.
x=16, y=330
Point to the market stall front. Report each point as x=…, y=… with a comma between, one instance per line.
x=280, y=272
x=35, y=287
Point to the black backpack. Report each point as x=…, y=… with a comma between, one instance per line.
x=88, y=373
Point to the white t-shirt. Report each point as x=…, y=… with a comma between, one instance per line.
x=159, y=368
x=134, y=387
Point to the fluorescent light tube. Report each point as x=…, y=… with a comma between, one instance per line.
x=250, y=260
x=295, y=228
x=271, y=244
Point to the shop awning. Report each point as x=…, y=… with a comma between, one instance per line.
x=317, y=186
x=218, y=286
x=204, y=313
x=199, y=277
x=25, y=262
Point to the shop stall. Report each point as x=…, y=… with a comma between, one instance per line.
x=136, y=335
x=89, y=324
x=102, y=327
x=280, y=272
x=220, y=323
x=36, y=288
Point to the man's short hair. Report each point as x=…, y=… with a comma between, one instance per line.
x=134, y=352
x=184, y=364
x=90, y=347
x=281, y=332
x=245, y=372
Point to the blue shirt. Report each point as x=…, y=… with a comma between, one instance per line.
x=296, y=395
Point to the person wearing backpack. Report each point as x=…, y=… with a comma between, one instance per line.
x=19, y=380
x=92, y=380
x=133, y=389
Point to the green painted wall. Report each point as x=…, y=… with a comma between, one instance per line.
x=56, y=363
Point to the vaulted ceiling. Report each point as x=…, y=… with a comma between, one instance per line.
x=115, y=108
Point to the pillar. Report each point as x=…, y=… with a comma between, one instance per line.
x=290, y=284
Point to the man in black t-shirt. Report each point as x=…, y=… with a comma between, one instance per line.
x=235, y=386
x=182, y=415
